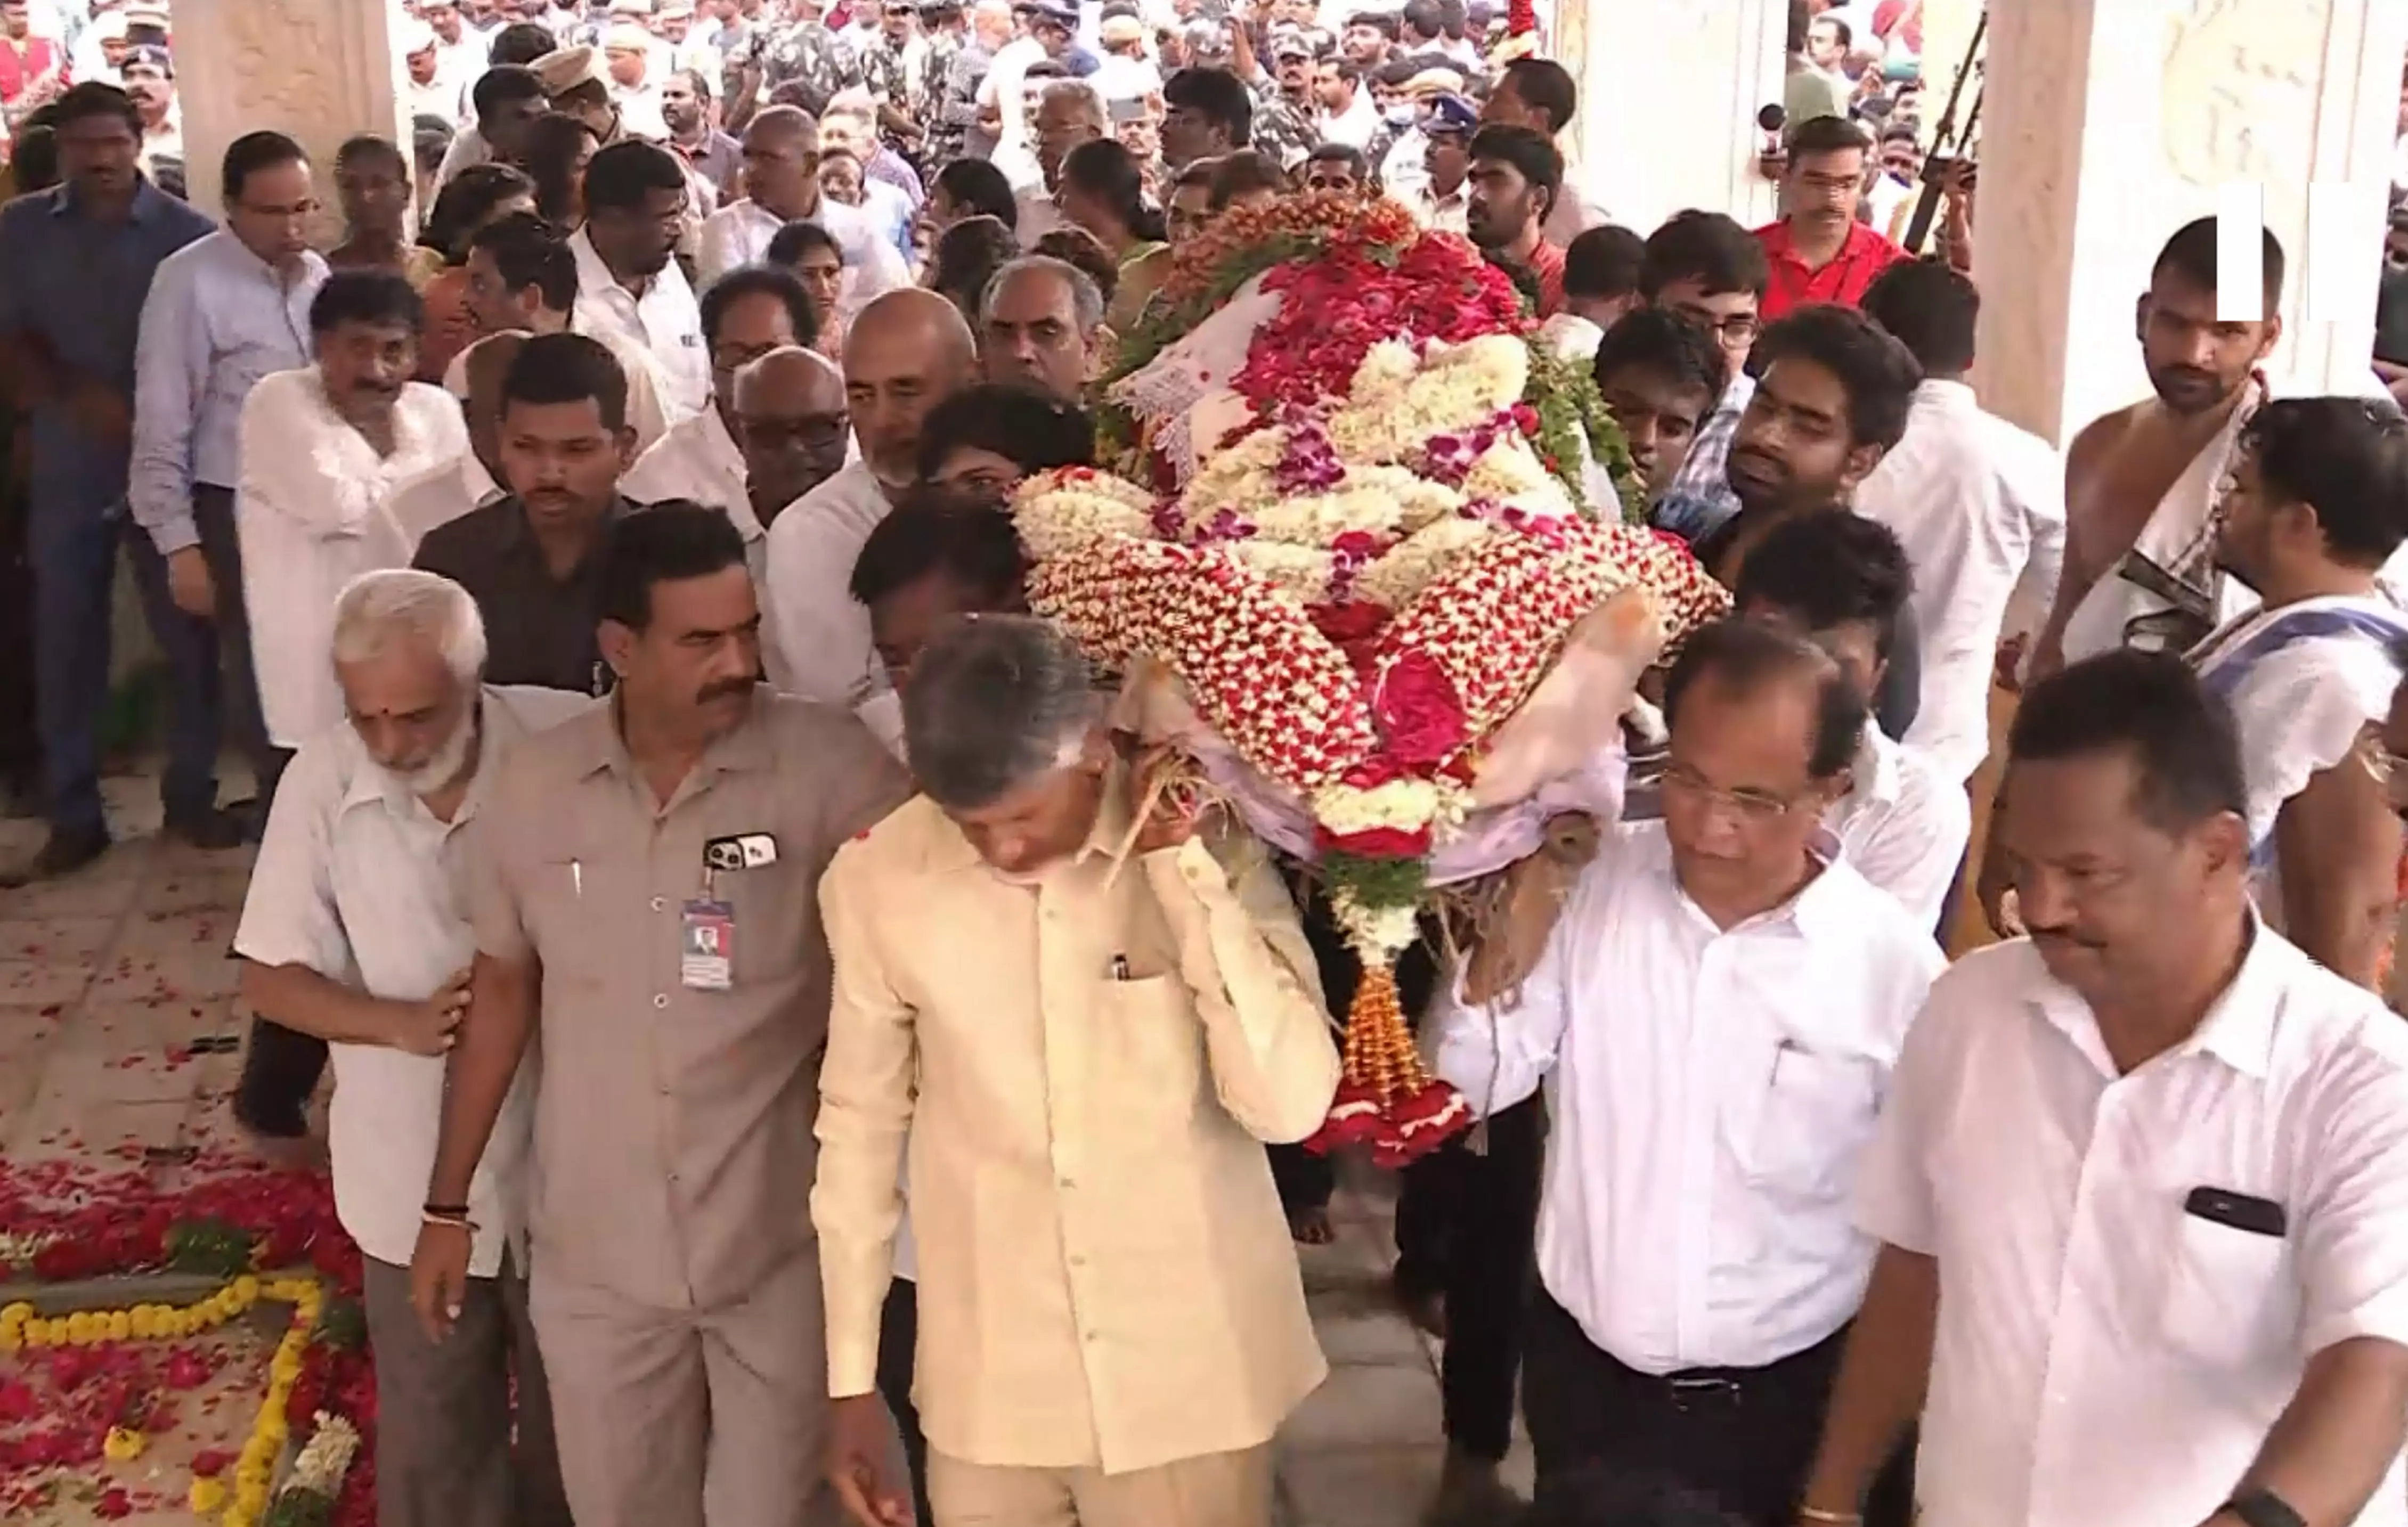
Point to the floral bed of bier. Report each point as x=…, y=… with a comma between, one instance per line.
x=1360, y=553
x=87, y=1396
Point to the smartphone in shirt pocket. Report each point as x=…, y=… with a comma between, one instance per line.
x=2233, y=1295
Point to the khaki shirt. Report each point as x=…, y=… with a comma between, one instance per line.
x=1087, y=1069
x=673, y=1127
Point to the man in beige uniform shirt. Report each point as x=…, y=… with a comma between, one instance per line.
x=1087, y=1026
x=644, y=884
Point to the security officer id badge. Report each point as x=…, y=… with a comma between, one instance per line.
x=707, y=946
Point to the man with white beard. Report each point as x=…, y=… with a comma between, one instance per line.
x=351, y=933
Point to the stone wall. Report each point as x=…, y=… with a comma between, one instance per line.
x=2109, y=123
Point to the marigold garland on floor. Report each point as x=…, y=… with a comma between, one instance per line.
x=93, y=1388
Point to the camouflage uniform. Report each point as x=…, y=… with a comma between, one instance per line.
x=954, y=117
x=940, y=143
x=1282, y=130
x=809, y=52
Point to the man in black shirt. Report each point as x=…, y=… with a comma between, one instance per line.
x=1831, y=396
x=531, y=560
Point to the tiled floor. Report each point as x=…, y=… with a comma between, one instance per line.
x=106, y=980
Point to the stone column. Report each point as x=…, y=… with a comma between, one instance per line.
x=320, y=70
x=1668, y=93
x=2110, y=123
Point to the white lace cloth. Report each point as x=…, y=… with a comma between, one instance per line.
x=1164, y=393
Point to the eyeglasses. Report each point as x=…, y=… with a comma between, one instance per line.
x=1751, y=806
x=1739, y=328
x=817, y=434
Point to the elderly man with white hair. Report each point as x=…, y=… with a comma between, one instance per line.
x=351, y=933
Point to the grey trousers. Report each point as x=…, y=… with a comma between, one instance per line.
x=445, y=1452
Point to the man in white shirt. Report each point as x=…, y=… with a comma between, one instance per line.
x=627, y=282
x=322, y=450
x=1002, y=100
x=782, y=185
x=906, y=353
x=1840, y=581
x=524, y=276
x=1979, y=504
x=2142, y=1180
x=1717, y=1010
x=752, y=313
x=745, y=316
x=2316, y=504
x=471, y=480
x=351, y=933
x=1346, y=114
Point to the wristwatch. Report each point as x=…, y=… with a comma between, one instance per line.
x=2263, y=1508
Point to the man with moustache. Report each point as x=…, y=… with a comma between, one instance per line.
x=352, y=933
x=1714, y=1011
x=534, y=560
x=746, y=314
x=523, y=275
x=2317, y=502
x=907, y=353
x=642, y=894
x=2141, y=482
x=791, y=424
x=1832, y=397
x=627, y=281
x=79, y=258
x=2140, y=1178
x=324, y=450
x=222, y=313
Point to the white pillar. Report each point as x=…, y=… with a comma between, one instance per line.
x=318, y=70
x=2110, y=123
x=1668, y=93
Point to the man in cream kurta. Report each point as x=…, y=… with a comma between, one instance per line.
x=1087, y=1056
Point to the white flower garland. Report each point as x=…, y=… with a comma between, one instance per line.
x=1379, y=930
x=324, y=1460
x=1392, y=580
x=1300, y=571
x=1388, y=415
x=1061, y=511
x=1402, y=805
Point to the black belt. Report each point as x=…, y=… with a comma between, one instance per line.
x=1693, y=1390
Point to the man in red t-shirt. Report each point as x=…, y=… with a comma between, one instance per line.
x=32, y=71
x=1516, y=175
x=1818, y=251
x=1896, y=22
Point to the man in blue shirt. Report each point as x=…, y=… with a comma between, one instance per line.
x=79, y=258
x=223, y=311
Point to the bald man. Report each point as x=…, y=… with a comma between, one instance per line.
x=907, y=352
x=470, y=481
x=782, y=185
x=792, y=426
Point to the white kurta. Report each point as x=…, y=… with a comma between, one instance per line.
x=314, y=511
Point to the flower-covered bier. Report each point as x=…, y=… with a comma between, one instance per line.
x=1265, y=678
x=1367, y=550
